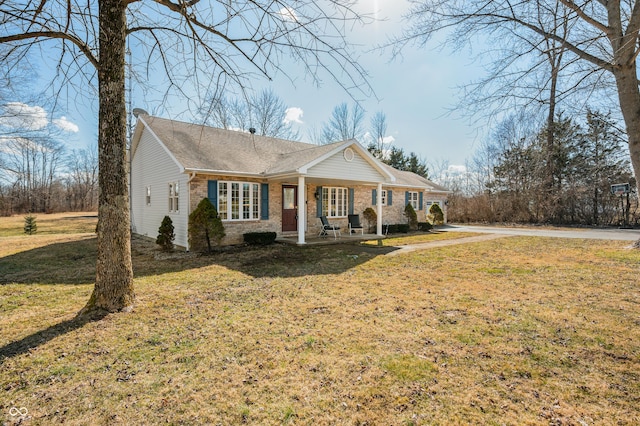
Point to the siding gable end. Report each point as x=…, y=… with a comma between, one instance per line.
x=337, y=167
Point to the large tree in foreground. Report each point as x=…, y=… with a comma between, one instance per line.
x=601, y=47
x=209, y=43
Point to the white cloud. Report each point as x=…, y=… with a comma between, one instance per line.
x=18, y=115
x=386, y=141
x=66, y=125
x=288, y=14
x=456, y=170
x=293, y=115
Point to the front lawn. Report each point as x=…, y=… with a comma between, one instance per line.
x=512, y=331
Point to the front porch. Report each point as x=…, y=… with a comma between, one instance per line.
x=305, y=199
x=314, y=239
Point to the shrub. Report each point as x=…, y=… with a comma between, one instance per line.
x=425, y=226
x=166, y=234
x=30, y=226
x=259, y=238
x=398, y=228
x=435, y=216
x=371, y=217
x=412, y=217
x=205, y=227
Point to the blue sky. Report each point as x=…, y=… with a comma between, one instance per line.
x=415, y=92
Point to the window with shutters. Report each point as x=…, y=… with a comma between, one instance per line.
x=383, y=195
x=413, y=199
x=334, y=201
x=238, y=200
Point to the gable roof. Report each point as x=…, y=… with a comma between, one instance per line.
x=410, y=179
x=201, y=148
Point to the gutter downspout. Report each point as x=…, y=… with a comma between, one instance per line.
x=379, y=212
x=192, y=176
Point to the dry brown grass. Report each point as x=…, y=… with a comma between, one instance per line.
x=399, y=240
x=57, y=223
x=511, y=331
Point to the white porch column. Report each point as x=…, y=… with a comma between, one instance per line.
x=379, y=209
x=302, y=209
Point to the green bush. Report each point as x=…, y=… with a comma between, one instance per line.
x=259, y=238
x=412, y=217
x=205, y=227
x=435, y=216
x=30, y=226
x=371, y=217
x=166, y=234
x=425, y=226
x=398, y=228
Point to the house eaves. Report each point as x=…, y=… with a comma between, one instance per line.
x=224, y=172
x=159, y=141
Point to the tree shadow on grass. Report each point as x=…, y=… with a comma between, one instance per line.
x=70, y=263
x=39, y=338
x=73, y=262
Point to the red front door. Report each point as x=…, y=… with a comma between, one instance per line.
x=289, y=208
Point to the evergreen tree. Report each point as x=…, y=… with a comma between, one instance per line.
x=396, y=158
x=205, y=226
x=166, y=234
x=412, y=217
x=601, y=160
x=30, y=226
x=417, y=166
x=436, y=215
x=371, y=217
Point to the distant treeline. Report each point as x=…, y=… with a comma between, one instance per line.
x=38, y=175
x=524, y=176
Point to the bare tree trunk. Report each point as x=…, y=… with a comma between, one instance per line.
x=629, y=96
x=113, y=290
x=625, y=72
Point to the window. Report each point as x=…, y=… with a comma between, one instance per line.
x=148, y=198
x=238, y=200
x=412, y=197
x=334, y=202
x=174, y=197
x=383, y=195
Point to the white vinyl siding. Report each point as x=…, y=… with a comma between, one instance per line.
x=238, y=200
x=335, y=202
x=152, y=170
x=336, y=167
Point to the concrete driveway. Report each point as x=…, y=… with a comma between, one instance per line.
x=593, y=234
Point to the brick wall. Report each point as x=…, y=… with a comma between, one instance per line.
x=235, y=229
x=362, y=199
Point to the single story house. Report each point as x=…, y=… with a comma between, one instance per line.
x=260, y=183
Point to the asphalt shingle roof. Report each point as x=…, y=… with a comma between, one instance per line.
x=204, y=148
